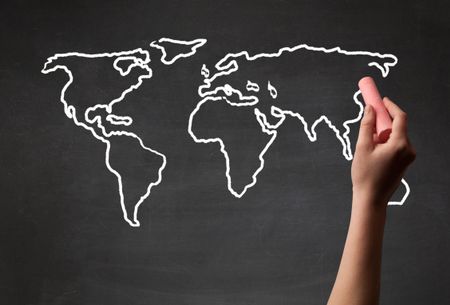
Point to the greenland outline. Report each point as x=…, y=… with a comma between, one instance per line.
x=232, y=66
x=196, y=43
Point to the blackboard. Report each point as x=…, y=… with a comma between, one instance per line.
x=64, y=239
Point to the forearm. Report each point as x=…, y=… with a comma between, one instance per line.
x=358, y=279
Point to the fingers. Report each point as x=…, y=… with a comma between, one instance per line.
x=401, y=142
x=375, y=138
x=367, y=128
x=399, y=124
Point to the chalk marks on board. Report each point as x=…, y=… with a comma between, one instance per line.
x=224, y=87
x=144, y=165
x=166, y=44
x=273, y=91
x=89, y=103
x=251, y=86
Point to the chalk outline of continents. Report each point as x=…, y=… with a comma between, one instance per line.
x=70, y=112
x=228, y=65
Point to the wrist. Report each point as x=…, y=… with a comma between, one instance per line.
x=369, y=195
x=367, y=202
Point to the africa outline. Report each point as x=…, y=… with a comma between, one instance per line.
x=207, y=94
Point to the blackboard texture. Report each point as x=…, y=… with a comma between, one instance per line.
x=115, y=188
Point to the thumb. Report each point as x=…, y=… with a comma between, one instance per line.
x=367, y=128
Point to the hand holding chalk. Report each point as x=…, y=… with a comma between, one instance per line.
x=372, y=97
x=377, y=169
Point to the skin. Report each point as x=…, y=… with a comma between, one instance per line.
x=377, y=170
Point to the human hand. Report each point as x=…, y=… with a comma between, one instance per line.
x=378, y=168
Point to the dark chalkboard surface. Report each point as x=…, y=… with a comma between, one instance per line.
x=179, y=231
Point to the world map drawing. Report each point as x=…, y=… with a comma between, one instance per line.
x=251, y=88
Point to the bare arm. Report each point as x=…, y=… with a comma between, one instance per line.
x=377, y=170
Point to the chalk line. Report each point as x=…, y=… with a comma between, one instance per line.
x=272, y=133
x=196, y=43
x=228, y=65
x=70, y=112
